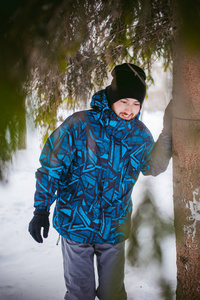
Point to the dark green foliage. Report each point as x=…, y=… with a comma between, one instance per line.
x=149, y=230
x=12, y=122
x=187, y=22
x=147, y=217
x=63, y=49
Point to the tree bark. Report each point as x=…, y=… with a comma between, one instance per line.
x=186, y=170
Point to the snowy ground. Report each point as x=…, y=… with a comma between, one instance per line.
x=31, y=271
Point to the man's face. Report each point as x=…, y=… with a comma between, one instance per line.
x=127, y=108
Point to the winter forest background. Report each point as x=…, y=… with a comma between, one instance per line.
x=32, y=271
x=53, y=55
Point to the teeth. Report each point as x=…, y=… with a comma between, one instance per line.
x=125, y=116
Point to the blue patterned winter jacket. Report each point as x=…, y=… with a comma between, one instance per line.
x=89, y=166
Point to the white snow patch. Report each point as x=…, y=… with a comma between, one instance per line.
x=194, y=207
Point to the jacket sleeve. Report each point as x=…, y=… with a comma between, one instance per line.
x=157, y=160
x=55, y=160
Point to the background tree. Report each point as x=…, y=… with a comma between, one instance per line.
x=62, y=50
x=186, y=141
x=55, y=51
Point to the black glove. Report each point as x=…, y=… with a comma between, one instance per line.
x=40, y=219
x=167, y=119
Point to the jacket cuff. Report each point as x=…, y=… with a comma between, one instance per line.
x=41, y=212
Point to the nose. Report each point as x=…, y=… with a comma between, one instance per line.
x=128, y=109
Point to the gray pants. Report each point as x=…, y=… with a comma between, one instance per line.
x=78, y=261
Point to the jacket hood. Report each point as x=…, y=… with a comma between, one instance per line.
x=99, y=100
x=115, y=126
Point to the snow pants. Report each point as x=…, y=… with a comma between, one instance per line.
x=79, y=271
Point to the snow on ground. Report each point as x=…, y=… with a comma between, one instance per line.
x=32, y=271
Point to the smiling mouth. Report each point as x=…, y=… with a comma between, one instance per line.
x=125, y=116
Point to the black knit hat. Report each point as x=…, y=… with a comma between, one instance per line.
x=128, y=82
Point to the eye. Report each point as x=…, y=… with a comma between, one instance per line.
x=123, y=101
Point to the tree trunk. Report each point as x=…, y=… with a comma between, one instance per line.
x=186, y=170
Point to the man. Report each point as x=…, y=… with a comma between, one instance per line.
x=89, y=165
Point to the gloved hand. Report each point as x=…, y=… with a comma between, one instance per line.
x=167, y=119
x=40, y=219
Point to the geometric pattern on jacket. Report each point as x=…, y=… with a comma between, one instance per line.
x=89, y=166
